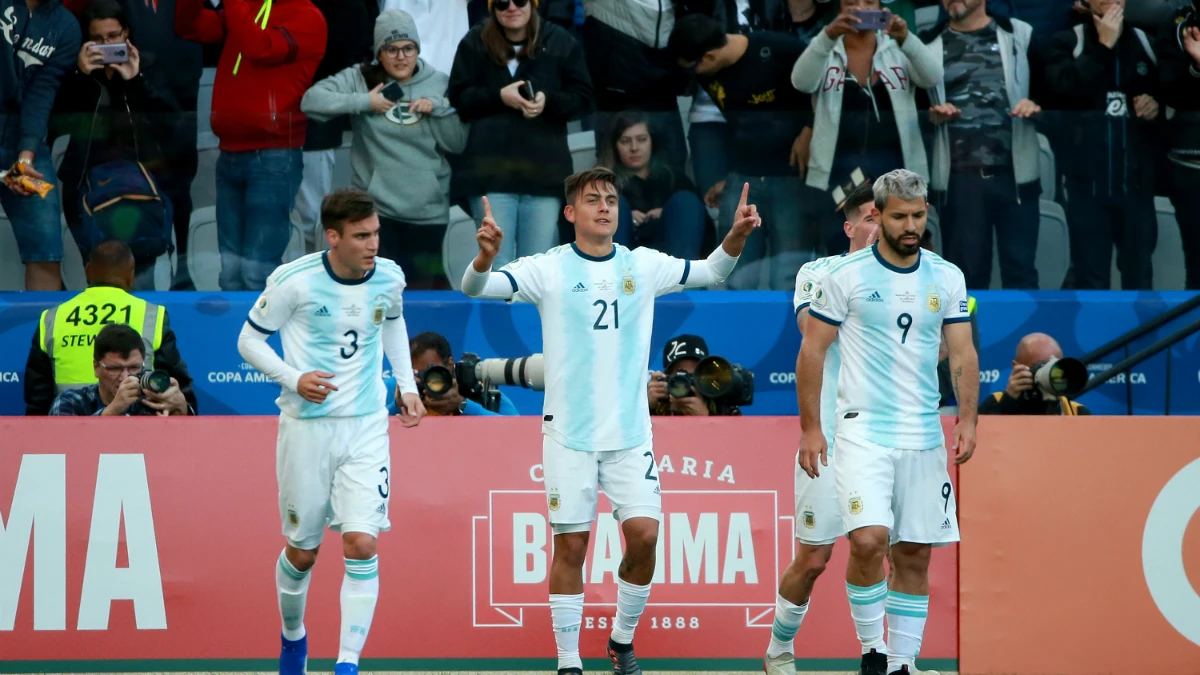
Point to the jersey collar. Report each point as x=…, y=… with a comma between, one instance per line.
x=347, y=282
x=593, y=258
x=890, y=266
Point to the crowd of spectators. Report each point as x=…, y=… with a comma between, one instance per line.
x=451, y=101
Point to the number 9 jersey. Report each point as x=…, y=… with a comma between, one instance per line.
x=890, y=328
x=597, y=318
x=333, y=325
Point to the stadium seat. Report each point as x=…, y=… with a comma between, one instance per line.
x=458, y=246
x=1169, y=272
x=12, y=272
x=1048, y=169
x=926, y=18
x=583, y=149
x=1053, y=251
x=204, y=255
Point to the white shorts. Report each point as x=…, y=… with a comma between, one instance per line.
x=332, y=471
x=818, y=521
x=574, y=478
x=906, y=491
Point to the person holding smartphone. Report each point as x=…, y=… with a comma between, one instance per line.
x=404, y=129
x=864, y=70
x=518, y=80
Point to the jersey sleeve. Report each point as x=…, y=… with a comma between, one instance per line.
x=958, y=307
x=670, y=273
x=830, y=298
x=396, y=295
x=806, y=280
x=526, y=277
x=273, y=308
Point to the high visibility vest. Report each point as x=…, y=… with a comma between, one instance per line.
x=67, y=332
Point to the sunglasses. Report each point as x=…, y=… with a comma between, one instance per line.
x=502, y=5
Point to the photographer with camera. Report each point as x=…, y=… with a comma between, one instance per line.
x=694, y=384
x=124, y=386
x=1041, y=383
x=443, y=390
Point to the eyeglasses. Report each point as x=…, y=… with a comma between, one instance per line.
x=502, y=5
x=392, y=51
x=121, y=370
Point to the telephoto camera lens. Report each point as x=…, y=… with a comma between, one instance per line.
x=679, y=385
x=157, y=381
x=436, y=381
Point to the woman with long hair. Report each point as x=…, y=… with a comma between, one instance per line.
x=659, y=205
x=518, y=80
x=404, y=128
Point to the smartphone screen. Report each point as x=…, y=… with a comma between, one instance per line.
x=113, y=53
x=872, y=19
x=393, y=92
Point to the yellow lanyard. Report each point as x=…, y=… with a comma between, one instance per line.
x=264, y=13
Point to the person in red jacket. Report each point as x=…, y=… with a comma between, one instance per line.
x=271, y=53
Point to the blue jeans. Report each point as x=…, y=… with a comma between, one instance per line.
x=255, y=194
x=784, y=241
x=707, y=140
x=36, y=222
x=529, y=223
x=678, y=233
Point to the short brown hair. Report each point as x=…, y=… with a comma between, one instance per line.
x=578, y=182
x=346, y=205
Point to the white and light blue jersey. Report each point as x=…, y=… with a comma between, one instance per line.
x=806, y=279
x=334, y=325
x=597, y=317
x=890, y=328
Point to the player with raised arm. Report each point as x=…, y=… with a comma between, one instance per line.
x=818, y=520
x=596, y=300
x=338, y=312
x=888, y=307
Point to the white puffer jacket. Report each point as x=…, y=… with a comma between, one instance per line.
x=648, y=21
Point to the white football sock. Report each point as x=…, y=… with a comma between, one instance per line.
x=906, y=626
x=360, y=591
x=788, y=618
x=867, y=610
x=566, y=614
x=631, y=602
x=292, y=587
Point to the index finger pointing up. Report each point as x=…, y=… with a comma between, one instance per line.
x=745, y=196
x=487, y=208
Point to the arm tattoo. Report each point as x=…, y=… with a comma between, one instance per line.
x=954, y=378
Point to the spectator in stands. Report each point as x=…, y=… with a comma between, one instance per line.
x=749, y=77
x=1047, y=18
x=1178, y=52
x=43, y=42
x=117, y=361
x=60, y=357
x=111, y=113
x=626, y=46
x=1022, y=396
x=561, y=12
x=865, y=84
x=659, y=205
x=442, y=24
x=173, y=66
x=267, y=63
x=681, y=354
x=517, y=151
x=1105, y=73
x=432, y=349
x=985, y=148
x=399, y=152
x=348, y=43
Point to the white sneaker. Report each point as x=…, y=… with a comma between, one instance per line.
x=784, y=664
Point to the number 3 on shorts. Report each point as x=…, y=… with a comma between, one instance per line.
x=384, y=488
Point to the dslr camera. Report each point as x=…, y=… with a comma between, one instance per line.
x=157, y=381
x=478, y=379
x=717, y=380
x=1057, y=377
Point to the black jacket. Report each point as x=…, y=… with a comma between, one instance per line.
x=1001, y=403
x=351, y=26
x=31, y=71
x=104, y=116
x=506, y=152
x=39, y=372
x=1179, y=80
x=1113, y=155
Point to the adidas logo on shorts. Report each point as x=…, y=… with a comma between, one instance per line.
x=382, y=509
x=875, y=297
x=579, y=288
x=322, y=312
x=946, y=524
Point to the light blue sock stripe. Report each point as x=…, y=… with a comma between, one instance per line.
x=362, y=570
x=784, y=633
x=290, y=569
x=891, y=602
x=917, y=614
x=920, y=599
x=373, y=560
x=866, y=596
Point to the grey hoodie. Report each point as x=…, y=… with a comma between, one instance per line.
x=399, y=159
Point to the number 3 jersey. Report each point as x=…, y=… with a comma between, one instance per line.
x=333, y=325
x=890, y=328
x=597, y=317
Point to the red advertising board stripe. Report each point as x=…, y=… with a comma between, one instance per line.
x=463, y=571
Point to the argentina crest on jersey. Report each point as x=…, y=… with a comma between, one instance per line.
x=380, y=309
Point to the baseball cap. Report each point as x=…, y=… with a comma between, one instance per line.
x=683, y=347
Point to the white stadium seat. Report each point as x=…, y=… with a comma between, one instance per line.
x=458, y=246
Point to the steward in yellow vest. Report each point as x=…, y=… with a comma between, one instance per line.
x=61, y=356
